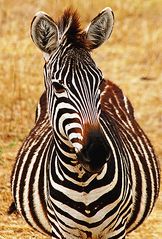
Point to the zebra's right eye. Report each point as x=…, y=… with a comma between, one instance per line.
x=58, y=87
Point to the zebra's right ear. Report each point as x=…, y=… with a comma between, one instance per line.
x=100, y=28
x=44, y=32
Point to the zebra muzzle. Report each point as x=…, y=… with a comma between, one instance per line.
x=95, y=152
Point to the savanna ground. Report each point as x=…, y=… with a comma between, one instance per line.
x=132, y=58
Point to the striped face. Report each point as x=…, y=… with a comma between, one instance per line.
x=73, y=93
x=73, y=83
x=74, y=103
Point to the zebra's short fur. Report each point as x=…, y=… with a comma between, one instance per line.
x=86, y=169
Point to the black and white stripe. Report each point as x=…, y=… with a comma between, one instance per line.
x=86, y=170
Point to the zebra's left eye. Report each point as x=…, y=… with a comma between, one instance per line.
x=58, y=87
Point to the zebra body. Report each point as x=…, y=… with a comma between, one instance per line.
x=86, y=169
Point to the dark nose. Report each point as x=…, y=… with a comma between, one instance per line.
x=95, y=152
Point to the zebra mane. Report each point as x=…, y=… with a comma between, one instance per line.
x=69, y=26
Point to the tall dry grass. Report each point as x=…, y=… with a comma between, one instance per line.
x=132, y=58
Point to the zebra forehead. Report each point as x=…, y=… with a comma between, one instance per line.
x=75, y=56
x=69, y=25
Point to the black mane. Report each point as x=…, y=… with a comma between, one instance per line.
x=69, y=24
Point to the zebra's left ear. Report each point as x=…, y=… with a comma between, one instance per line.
x=44, y=32
x=100, y=28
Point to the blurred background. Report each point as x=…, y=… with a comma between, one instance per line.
x=131, y=58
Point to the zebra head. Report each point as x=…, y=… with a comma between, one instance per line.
x=73, y=81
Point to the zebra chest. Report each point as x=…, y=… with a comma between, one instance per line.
x=83, y=211
x=75, y=200
x=80, y=206
x=73, y=210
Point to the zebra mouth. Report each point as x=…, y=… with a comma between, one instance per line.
x=90, y=170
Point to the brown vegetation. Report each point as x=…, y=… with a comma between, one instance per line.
x=132, y=58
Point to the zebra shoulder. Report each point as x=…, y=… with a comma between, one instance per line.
x=114, y=103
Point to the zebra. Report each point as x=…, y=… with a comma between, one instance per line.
x=86, y=169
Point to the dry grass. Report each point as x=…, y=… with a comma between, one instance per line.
x=132, y=58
